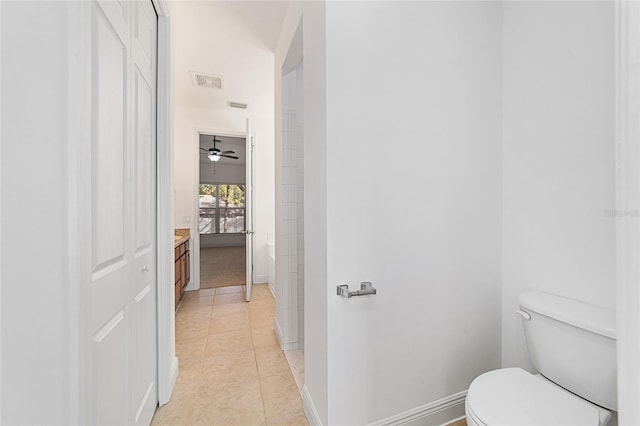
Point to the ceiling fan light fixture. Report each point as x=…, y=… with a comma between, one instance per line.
x=213, y=157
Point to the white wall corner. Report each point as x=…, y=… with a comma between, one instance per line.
x=440, y=412
x=260, y=279
x=309, y=408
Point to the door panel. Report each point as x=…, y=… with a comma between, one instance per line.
x=122, y=308
x=108, y=159
x=110, y=363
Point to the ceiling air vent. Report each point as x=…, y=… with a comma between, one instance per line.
x=237, y=105
x=206, y=80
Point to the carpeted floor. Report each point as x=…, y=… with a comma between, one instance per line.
x=222, y=267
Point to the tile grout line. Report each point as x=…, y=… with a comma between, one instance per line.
x=206, y=342
x=255, y=357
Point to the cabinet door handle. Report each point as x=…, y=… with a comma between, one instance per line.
x=145, y=268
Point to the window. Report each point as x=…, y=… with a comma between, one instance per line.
x=221, y=209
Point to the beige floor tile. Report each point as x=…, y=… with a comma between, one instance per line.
x=225, y=299
x=189, y=374
x=461, y=422
x=179, y=411
x=188, y=349
x=264, y=337
x=206, y=292
x=229, y=341
x=191, y=294
x=239, y=405
x=219, y=324
x=186, y=387
x=230, y=289
x=261, y=306
x=191, y=329
x=192, y=312
x=299, y=420
x=271, y=362
x=263, y=321
x=260, y=292
x=233, y=308
x=198, y=301
x=295, y=358
x=191, y=319
x=281, y=397
x=228, y=369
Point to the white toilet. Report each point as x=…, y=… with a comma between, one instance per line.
x=572, y=345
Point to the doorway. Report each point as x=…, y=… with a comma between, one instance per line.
x=222, y=211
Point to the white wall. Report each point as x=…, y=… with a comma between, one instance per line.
x=558, y=157
x=413, y=202
x=36, y=306
x=312, y=15
x=209, y=39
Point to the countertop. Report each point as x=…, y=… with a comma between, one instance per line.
x=179, y=239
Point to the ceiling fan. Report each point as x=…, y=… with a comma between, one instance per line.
x=215, y=154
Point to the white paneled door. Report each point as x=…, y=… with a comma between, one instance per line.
x=121, y=351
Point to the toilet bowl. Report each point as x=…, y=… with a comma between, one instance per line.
x=572, y=345
x=512, y=396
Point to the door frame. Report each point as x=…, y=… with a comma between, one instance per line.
x=167, y=360
x=627, y=66
x=195, y=277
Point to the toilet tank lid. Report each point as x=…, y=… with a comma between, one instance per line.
x=595, y=319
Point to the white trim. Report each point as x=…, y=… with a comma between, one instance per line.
x=627, y=205
x=309, y=408
x=167, y=360
x=194, y=284
x=260, y=279
x=433, y=413
x=78, y=160
x=272, y=290
x=278, y=331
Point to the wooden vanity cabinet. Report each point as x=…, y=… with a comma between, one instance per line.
x=182, y=270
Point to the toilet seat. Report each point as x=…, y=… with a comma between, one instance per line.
x=512, y=396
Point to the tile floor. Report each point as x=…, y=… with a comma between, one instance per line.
x=232, y=371
x=295, y=358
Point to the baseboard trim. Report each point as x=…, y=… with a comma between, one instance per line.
x=273, y=291
x=309, y=408
x=442, y=411
x=278, y=330
x=260, y=279
x=174, y=379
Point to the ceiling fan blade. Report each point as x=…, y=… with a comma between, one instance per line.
x=228, y=152
x=205, y=150
x=229, y=156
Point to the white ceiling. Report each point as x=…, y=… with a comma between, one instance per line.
x=232, y=39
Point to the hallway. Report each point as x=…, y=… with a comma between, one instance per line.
x=232, y=371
